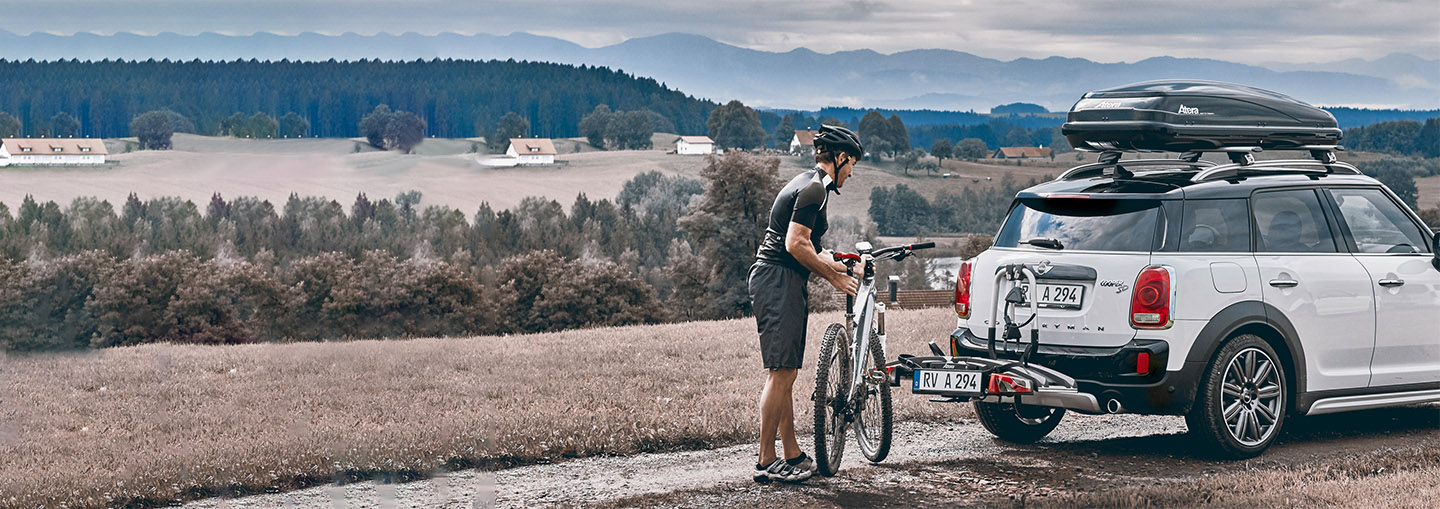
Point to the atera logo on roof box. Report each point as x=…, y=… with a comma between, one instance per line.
x=1186, y=110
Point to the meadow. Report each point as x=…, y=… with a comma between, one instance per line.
x=445, y=171
x=153, y=424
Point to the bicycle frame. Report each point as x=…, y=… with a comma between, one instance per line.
x=857, y=325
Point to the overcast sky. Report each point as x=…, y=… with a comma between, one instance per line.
x=1251, y=31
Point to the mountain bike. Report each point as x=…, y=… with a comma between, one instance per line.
x=851, y=382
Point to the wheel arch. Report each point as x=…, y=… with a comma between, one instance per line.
x=1265, y=321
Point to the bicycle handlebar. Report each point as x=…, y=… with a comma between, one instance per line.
x=880, y=254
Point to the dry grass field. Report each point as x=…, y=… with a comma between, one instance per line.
x=1429, y=188
x=152, y=424
x=445, y=171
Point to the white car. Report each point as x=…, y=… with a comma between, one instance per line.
x=1233, y=294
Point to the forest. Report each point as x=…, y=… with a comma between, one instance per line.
x=455, y=98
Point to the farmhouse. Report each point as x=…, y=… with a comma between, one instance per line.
x=51, y=151
x=803, y=142
x=532, y=151
x=1021, y=153
x=694, y=145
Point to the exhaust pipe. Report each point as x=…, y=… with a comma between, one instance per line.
x=1113, y=406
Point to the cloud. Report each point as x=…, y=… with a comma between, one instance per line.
x=1104, y=30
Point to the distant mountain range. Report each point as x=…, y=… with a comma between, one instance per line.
x=801, y=78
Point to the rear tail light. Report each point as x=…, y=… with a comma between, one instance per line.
x=1142, y=363
x=1006, y=384
x=962, y=289
x=1150, y=302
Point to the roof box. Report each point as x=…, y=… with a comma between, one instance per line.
x=1185, y=116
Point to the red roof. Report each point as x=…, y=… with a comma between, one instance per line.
x=55, y=146
x=533, y=146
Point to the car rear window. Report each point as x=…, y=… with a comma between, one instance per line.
x=1083, y=224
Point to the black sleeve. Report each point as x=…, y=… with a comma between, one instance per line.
x=808, y=204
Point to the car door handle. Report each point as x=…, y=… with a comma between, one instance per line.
x=1388, y=283
x=1284, y=283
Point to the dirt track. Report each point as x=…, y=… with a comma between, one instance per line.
x=954, y=462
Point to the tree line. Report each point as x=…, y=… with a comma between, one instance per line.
x=902, y=211
x=244, y=270
x=455, y=98
x=1399, y=137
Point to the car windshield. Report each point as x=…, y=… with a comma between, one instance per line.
x=1083, y=224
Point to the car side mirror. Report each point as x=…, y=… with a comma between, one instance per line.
x=1435, y=250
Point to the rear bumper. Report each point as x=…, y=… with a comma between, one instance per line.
x=1106, y=372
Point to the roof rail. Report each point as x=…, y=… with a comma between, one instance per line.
x=1089, y=170
x=1280, y=166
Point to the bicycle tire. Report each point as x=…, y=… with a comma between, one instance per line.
x=876, y=394
x=830, y=388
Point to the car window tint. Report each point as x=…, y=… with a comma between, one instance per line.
x=1088, y=224
x=1292, y=222
x=1215, y=226
x=1376, y=223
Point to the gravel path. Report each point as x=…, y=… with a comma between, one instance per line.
x=930, y=463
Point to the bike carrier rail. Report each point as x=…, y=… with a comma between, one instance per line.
x=1003, y=380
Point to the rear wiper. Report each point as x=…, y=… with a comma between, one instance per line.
x=1045, y=243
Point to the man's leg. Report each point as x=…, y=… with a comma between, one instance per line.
x=787, y=417
x=777, y=414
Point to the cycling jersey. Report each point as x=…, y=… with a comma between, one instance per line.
x=802, y=201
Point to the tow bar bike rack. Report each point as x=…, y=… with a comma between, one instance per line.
x=1000, y=380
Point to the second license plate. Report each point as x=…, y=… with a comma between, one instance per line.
x=1059, y=296
x=946, y=381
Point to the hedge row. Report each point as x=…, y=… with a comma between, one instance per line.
x=93, y=300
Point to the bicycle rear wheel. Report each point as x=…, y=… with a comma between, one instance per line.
x=875, y=422
x=832, y=381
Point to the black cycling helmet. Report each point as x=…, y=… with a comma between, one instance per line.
x=838, y=138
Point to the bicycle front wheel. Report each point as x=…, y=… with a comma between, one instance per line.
x=832, y=382
x=875, y=423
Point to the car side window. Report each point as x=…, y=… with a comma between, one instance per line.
x=1215, y=226
x=1377, y=224
x=1291, y=222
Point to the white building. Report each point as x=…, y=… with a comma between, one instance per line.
x=51, y=151
x=803, y=142
x=532, y=151
x=694, y=145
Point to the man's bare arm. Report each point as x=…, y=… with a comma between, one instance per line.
x=797, y=243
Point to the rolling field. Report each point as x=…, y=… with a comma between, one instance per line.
x=1429, y=188
x=152, y=424
x=443, y=170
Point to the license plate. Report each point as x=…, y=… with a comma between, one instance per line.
x=947, y=381
x=1059, y=296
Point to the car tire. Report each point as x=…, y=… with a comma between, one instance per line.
x=1240, y=405
x=1021, y=424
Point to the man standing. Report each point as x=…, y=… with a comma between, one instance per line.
x=788, y=254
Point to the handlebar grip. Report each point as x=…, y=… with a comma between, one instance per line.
x=922, y=245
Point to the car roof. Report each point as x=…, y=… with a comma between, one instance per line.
x=1177, y=184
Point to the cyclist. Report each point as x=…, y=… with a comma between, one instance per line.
x=789, y=252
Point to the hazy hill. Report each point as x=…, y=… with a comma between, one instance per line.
x=919, y=79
